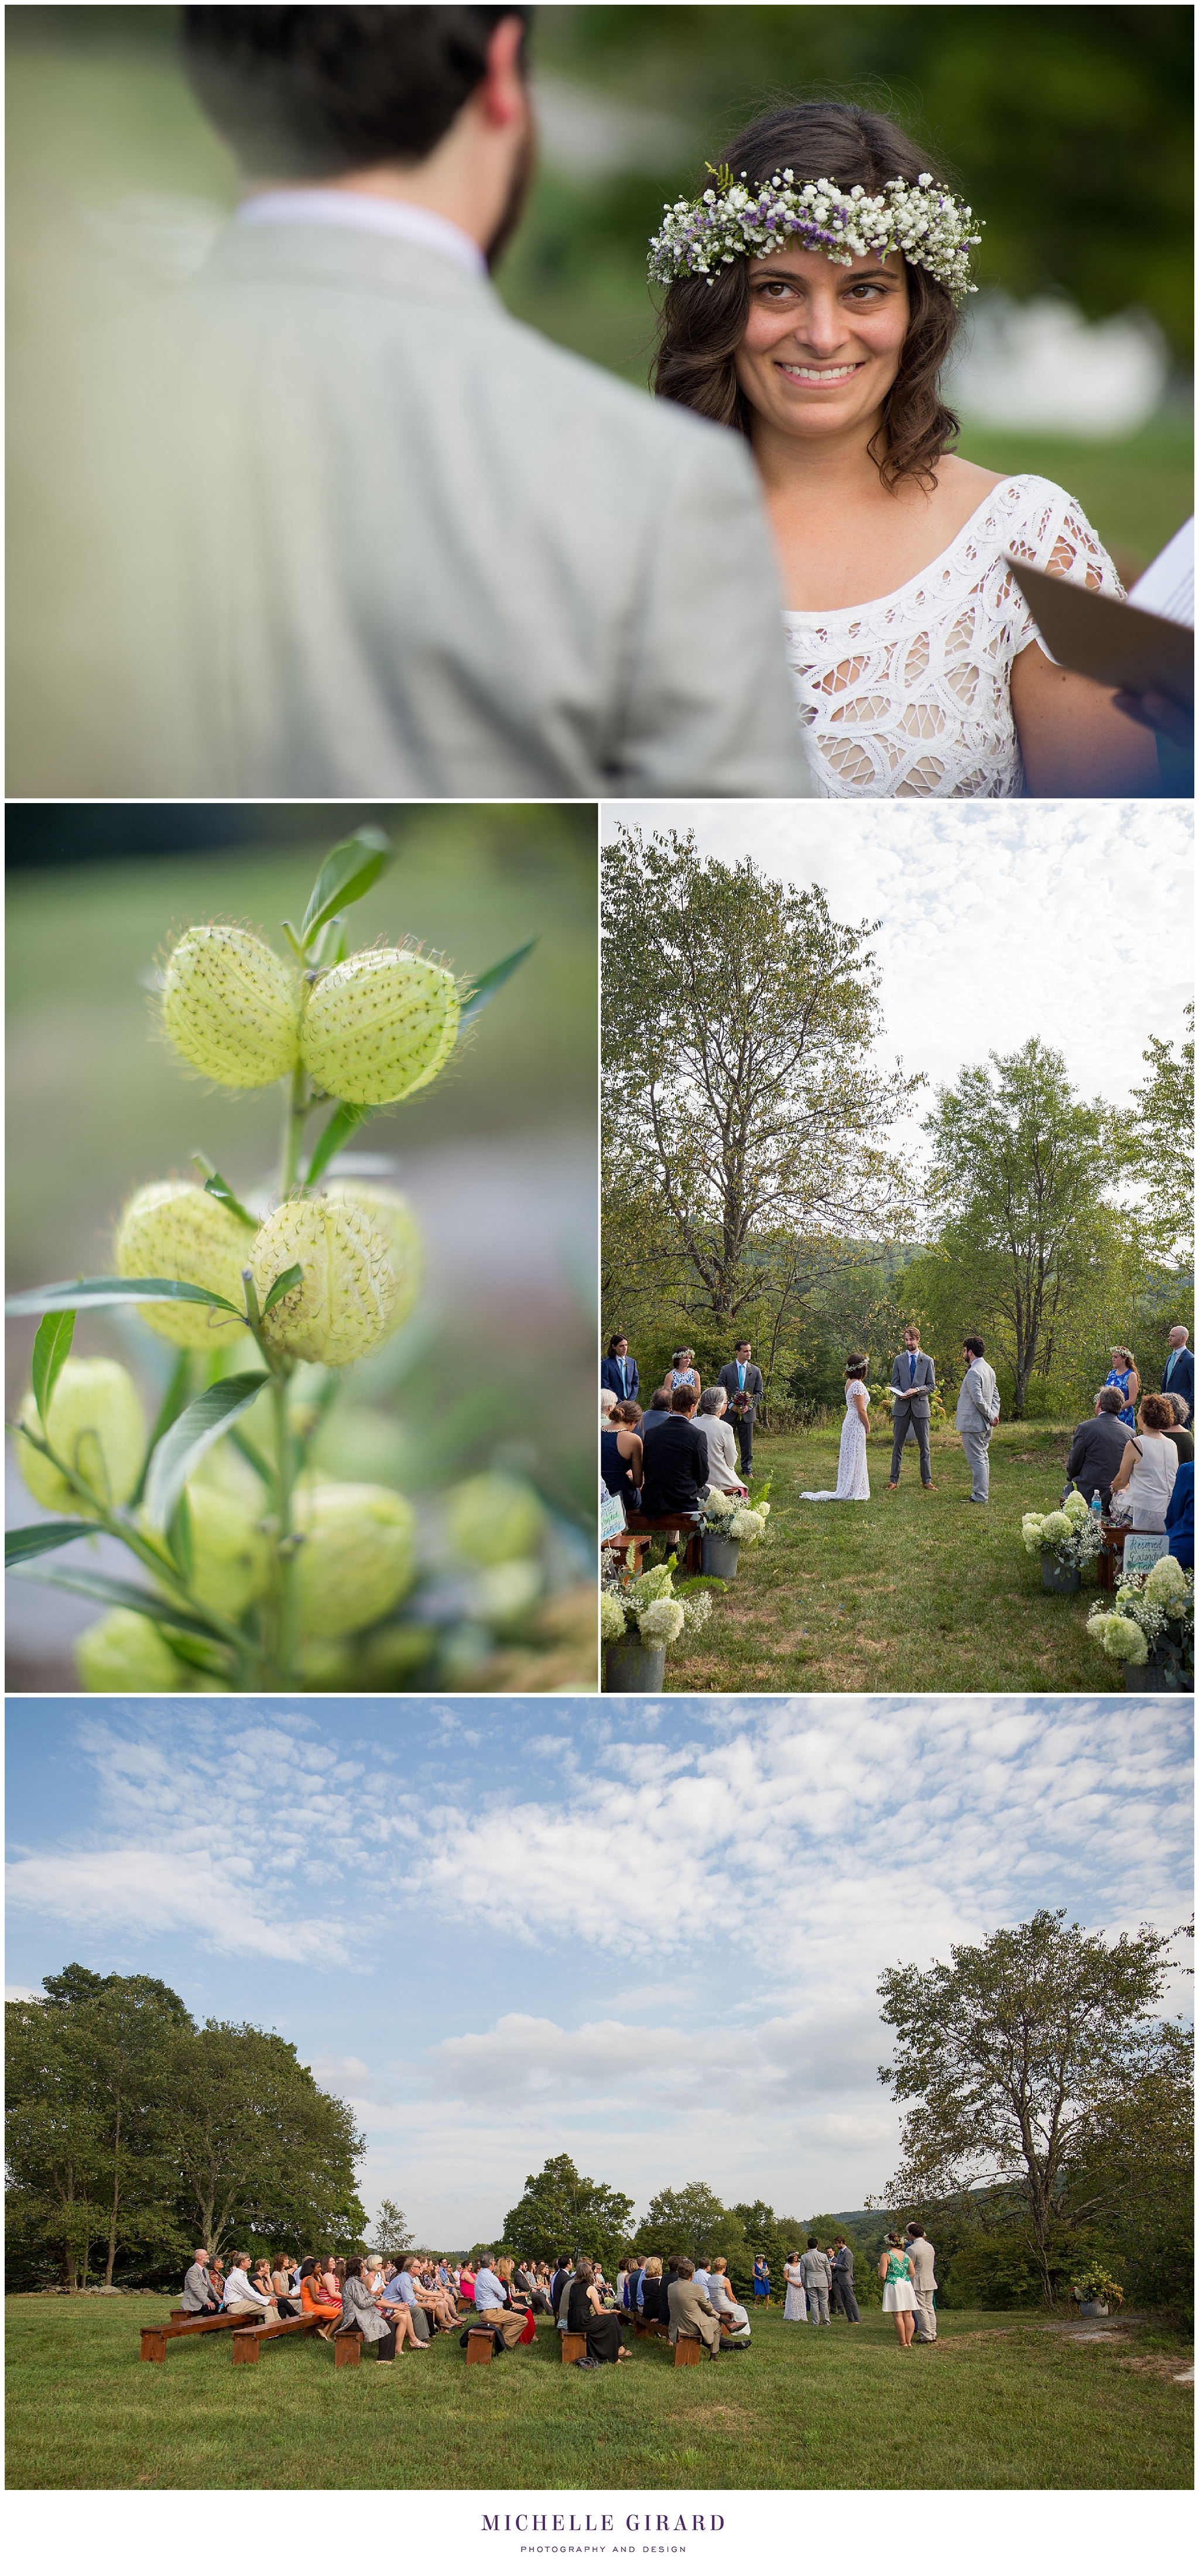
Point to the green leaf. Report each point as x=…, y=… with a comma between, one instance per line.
x=188, y=1438
x=219, y=1189
x=114, y=1595
x=52, y=1345
x=341, y=1126
x=348, y=873
x=481, y=988
x=20, y=1544
x=64, y=1294
x=282, y=1286
x=178, y=1394
x=179, y=1537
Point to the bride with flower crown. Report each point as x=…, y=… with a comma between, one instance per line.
x=813, y=295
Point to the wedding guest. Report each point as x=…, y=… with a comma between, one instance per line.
x=742, y=1383
x=723, y=1470
x=1122, y=1374
x=618, y=1371
x=1183, y=1439
x=621, y=1453
x=1178, y=1375
x=917, y=668
x=360, y=2314
x=843, y=2290
x=675, y=1470
x=761, y=2279
x=691, y=2310
x=899, y=2296
x=651, y=2297
x=199, y=2298
x=607, y=1406
x=659, y=1411
x=315, y=2300
x=586, y=2315
x=1097, y=1448
x=1142, y=1487
x=728, y=2309
x=682, y=1372
x=242, y=2299
x=1180, y=1516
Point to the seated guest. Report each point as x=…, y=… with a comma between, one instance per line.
x=1097, y=1449
x=199, y=2297
x=1181, y=1437
x=1142, y=1488
x=466, y=2284
x=618, y=1371
x=281, y=2287
x=586, y=2315
x=408, y=2289
x=1180, y=1515
x=260, y=2278
x=558, y=2288
x=216, y=2274
x=360, y=2314
x=728, y=2309
x=691, y=2310
x=651, y=2296
x=723, y=1469
x=493, y=2305
x=659, y=1411
x=402, y=2316
x=674, y=1477
x=243, y=2300
x=607, y=1400
x=620, y=1454
x=315, y=2300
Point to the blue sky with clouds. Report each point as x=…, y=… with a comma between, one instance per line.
x=646, y=1932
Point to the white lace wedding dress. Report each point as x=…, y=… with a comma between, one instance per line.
x=853, y=1482
x=911, y=695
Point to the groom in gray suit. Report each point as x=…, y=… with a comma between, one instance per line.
x=913, y=1378
x=374, y=537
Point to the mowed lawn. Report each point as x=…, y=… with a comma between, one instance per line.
x=911, y=1591
x=996, y=2402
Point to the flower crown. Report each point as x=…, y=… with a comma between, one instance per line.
x=734, y=221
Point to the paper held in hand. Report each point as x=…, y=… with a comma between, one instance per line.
x=1126, y=643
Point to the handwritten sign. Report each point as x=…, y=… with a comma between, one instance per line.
x=612, y=1519
x=1143, y=1550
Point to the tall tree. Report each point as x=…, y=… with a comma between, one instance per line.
x=1012, y=2056
x=260, y=2147
x=743, y=1099
x=561, y=2211
x=56, y=2137
x=1160, y=1138
x=392, y=2234
x=1020, y=1176
x=692, y=2221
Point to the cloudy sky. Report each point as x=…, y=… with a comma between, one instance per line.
x=999, y=922
x=648, y=1933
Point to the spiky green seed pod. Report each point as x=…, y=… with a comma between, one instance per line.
x=124, y=1653
x=229, y=1553
x=358, y=1556
x=405, y=1245
x=231, y=1007
x=176, y=1230
x=493, y=1518
x=380, y=1026
x=96, y=1426
x=342, y=1307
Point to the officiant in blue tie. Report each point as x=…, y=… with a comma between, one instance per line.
x=742, y=1383
x=619, y=1371
x=913, y=1378
x=1178, y=1375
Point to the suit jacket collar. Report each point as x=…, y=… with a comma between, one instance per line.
x=315, y=255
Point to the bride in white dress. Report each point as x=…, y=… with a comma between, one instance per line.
x=817, y=324
x=853, y=1481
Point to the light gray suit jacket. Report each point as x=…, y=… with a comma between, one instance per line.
x=916, y=1408
x=376, y=538
x=978, y=1399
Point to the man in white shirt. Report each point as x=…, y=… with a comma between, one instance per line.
x=368, y=534
x=977, y=1415
x=491, y=2304
x=242, y=2299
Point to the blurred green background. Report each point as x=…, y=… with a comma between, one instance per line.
x=1068, y=129
x=497, y=1367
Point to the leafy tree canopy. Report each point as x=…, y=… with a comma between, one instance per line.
x=561, y=2211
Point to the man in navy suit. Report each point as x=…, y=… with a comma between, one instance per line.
x=1178, y=1375
x=742, y=1384
x=618, y=1371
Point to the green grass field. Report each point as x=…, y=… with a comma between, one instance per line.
x=998, y=2402
x=908, y=1592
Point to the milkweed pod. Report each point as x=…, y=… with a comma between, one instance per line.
x=357, y=1558
x=342, y=1307
x=230, y=1560
x=494, y=1517
x=231, y=1007
x=123, y=1652
x=176, y=1230
x=380, y=1026
x=96, y=1426
x=405, y=1245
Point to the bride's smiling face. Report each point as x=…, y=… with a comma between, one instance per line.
x=822, y=346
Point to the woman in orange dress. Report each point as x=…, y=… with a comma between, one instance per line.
x=315, y=2301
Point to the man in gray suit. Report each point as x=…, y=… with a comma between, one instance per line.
x=923, y=2261
x=913, y=1378
x=977, y=1415
x=373, y=536
x=199, y=2298
x=844, y=2295
x=691, y=2310
x=742, y=1383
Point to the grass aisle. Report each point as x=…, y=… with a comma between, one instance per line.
x=911, y=1591
x=998, y=2402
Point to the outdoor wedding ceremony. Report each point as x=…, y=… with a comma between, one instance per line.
x=253, y=2119
x=896, y=1369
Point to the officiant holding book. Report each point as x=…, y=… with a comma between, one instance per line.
x=913, y=1378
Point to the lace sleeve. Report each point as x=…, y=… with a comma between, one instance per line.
x=1053, y=533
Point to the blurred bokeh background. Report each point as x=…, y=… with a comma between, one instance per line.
x=1067, y=128
x=495, y=1372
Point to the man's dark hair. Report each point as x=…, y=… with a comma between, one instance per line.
x=614, y=1343
x=972, y=1343
x=1109, y=1399
x=684, y=1399
x=684, y=2267
x=813, y=2240
x=743, y=1346
x=314, y=93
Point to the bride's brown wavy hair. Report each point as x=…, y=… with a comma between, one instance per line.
x=701, y=326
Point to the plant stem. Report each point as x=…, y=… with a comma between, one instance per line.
x=298, y=1105
x=287, y=1639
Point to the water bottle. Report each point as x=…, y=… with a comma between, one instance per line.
x=1096, y=1506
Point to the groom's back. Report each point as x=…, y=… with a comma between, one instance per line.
x=376, y=538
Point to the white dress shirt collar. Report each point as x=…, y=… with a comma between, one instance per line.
x=353, y=210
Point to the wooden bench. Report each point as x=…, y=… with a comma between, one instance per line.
x=627, y=1548
x=246, y=2342
x=156, y=2338
x=347, y=2349
x=480, y=2344
x=687, y=2349
x=1110, y=1561
x=574, y=2347
x=670, y=1525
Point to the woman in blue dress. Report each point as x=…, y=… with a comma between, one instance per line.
x=1123, y=1374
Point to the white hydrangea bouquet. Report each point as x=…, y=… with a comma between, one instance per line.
x=1071, y=1536
x=726, y=1516
x=649, y=1604
x=256, y=1562
x=1154, y=1613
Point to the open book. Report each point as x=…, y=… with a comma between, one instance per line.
x=1143, y=642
